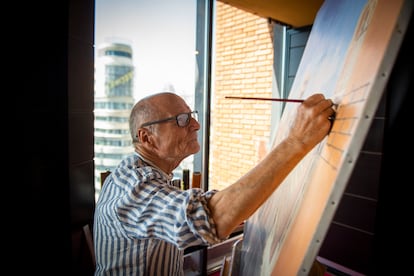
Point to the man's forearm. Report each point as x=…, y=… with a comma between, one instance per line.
x=246, y=195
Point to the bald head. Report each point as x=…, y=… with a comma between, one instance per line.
x=151, y=108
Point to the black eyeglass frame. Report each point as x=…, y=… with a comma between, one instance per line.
x=189, y=116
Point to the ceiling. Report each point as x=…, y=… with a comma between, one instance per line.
x=296, y=13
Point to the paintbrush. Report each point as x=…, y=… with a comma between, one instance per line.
x=267, y=99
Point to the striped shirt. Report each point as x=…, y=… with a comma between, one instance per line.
x=142, y=223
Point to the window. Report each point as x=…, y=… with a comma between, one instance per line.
x=172, y=45
x=142, y=47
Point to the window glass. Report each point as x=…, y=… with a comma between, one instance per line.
x=141, y=47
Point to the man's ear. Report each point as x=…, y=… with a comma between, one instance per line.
x=147, y=138
x=144, y=135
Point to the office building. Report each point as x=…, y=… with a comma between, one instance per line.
x=114, y=74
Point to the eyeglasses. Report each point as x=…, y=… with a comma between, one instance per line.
x=182, y=119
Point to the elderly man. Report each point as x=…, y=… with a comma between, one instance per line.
x=143, y=223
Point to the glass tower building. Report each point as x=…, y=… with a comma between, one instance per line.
x=114, y=74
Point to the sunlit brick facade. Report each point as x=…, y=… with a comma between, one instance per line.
x=240, y=129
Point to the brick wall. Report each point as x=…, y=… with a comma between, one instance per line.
x=243, y=66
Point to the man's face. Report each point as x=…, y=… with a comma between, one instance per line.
x=175, y=142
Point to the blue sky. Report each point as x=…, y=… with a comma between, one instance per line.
x=162, y=36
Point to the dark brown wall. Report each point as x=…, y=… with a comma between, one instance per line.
x=58, y=106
